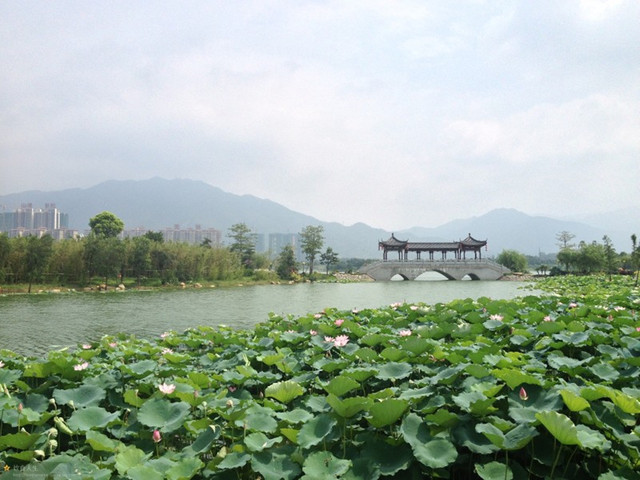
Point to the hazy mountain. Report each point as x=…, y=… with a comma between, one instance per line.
x=511, y=229
x=158, y=203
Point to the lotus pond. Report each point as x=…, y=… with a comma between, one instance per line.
x=530, y=388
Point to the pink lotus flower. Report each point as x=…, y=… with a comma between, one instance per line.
x=523, y=394
x=86, y=346
x=81, y=366
x=317, y=315
x=113, y=344
x=313, y=332
x=573, y=305
x=341, y=341
x=1, y=364
x=167, y=388
x=414, y=307
x=637, y=329
x=339, y=322
x=329, y=339
x=547, y=318
x=166, y=350
x=157, y=438
x=164, y=335
x=404, y=333
x=231, y=388
x=496, y=317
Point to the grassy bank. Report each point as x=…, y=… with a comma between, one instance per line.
x=535, y=387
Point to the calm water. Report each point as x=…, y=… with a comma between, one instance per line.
x=34, y=324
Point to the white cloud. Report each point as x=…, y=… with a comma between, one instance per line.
x=392, y=114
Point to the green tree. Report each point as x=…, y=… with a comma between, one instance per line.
x=328, y=258
x=67, y=261
x=140, y=257
x=154, y=236
x=513, y=260
x=104, y=256
x=5, y=251
x=610, y=256
x=244, y=243
x=567, y=257
x=106, y=224
x=590, y=257
x=311, y=241
x=635, y=256
x=286, y=263
x=38, y=253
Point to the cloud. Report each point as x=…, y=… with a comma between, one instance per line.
x=392, y=114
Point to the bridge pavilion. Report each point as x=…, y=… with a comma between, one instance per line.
x=459, y=249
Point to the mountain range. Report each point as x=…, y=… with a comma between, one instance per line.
x=159, y=203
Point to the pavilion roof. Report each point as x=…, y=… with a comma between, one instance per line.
x=394, y=242
x=472, y=242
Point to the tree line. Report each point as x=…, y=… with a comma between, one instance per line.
x=581, y=258
x=105, y=258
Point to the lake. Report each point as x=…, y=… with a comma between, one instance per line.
x=34, y=324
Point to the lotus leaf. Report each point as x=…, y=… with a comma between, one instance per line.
x=322, y=465
x=315, y=430
x=494, y=471
x=285, y=391
x=163, y=414
x=91, y=417
x=386, y=412
x=275, y=464
x=83, y=396
x=430, y=451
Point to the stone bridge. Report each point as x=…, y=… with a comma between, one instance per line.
x=478, y=269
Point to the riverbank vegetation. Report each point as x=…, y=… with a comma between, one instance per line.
x=102, y=259
x=530, y=388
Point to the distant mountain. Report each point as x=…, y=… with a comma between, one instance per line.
x=511, y=229
x=158, y=203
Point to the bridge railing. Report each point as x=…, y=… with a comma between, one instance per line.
x=440, y=260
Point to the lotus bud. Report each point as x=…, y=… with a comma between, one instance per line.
x=20, y=407
x=523, y=394
x=157, y=438
x=39, y=453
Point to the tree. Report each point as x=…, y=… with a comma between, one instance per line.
x=104, y=256
x=244, y=243
x=140, y=257
x=564, y=238
x=311, y=241
x=154, y=236
x=286, y=263
x=5, y=251
x=38, y=253
x=635, y=256
x=590, y=257
x=513, y=260
x=609, y=255
x=106, y=224
x=567, y=257
x=329, y=258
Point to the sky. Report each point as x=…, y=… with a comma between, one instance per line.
x=394, y=114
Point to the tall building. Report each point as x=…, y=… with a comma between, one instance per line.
x=277, y=241
x=27, y=220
